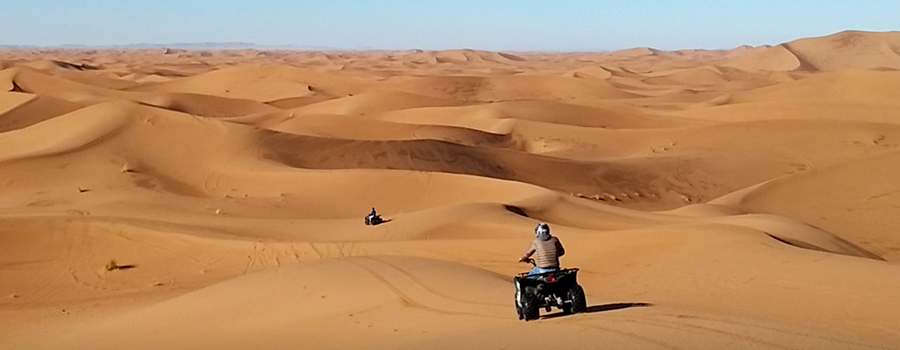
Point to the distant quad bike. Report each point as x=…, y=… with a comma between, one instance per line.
x=550, y=289
x=374, y=220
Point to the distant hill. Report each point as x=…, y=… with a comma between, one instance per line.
x=846, y=49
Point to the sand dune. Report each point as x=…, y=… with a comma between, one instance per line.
x=591, y=72
x=855, y=191
x=204, y=105
x=370, y=103
x=847, y=86
x=600, y=116
x=848, y=49
x=82, y=73
x=516, y=87
x=767, y=58
x=467, y=56
x=859, y=95
x=18, y=110
x=180, y=199
x=260, y=83
x=691, y=76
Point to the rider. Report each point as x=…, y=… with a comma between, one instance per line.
x=546, y=250
x=371, y=217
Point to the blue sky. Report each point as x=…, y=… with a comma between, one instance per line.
x=556, y=25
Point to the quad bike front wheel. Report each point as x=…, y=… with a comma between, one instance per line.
x=519, y=312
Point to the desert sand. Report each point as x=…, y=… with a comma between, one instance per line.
x=713, y=199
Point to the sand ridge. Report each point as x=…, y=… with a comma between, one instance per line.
x=740, y=198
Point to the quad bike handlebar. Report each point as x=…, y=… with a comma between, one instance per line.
x=557, y=271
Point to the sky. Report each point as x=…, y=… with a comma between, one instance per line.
x=522, y=25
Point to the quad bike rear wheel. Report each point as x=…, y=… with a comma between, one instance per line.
x=530, y=307
x=577, y=299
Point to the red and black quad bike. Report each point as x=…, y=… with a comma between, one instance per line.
x=558, y=288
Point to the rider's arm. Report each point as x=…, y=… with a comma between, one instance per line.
x=528, y=252
x=560, y=251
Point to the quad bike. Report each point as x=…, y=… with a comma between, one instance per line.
x=374, y=220
x=557, y=288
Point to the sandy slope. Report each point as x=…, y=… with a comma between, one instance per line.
x=740, y=199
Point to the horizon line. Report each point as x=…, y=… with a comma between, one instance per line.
x=241, y=45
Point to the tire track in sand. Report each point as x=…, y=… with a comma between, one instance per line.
x=409, y=301
x=779, y=330
x=426, y=287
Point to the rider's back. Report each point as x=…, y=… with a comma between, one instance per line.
x=547, y=252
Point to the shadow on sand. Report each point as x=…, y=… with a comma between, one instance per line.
x=378, y=221
x=383, y=221
x=600, y=308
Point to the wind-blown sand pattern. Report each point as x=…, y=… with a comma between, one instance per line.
x=739, y=199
